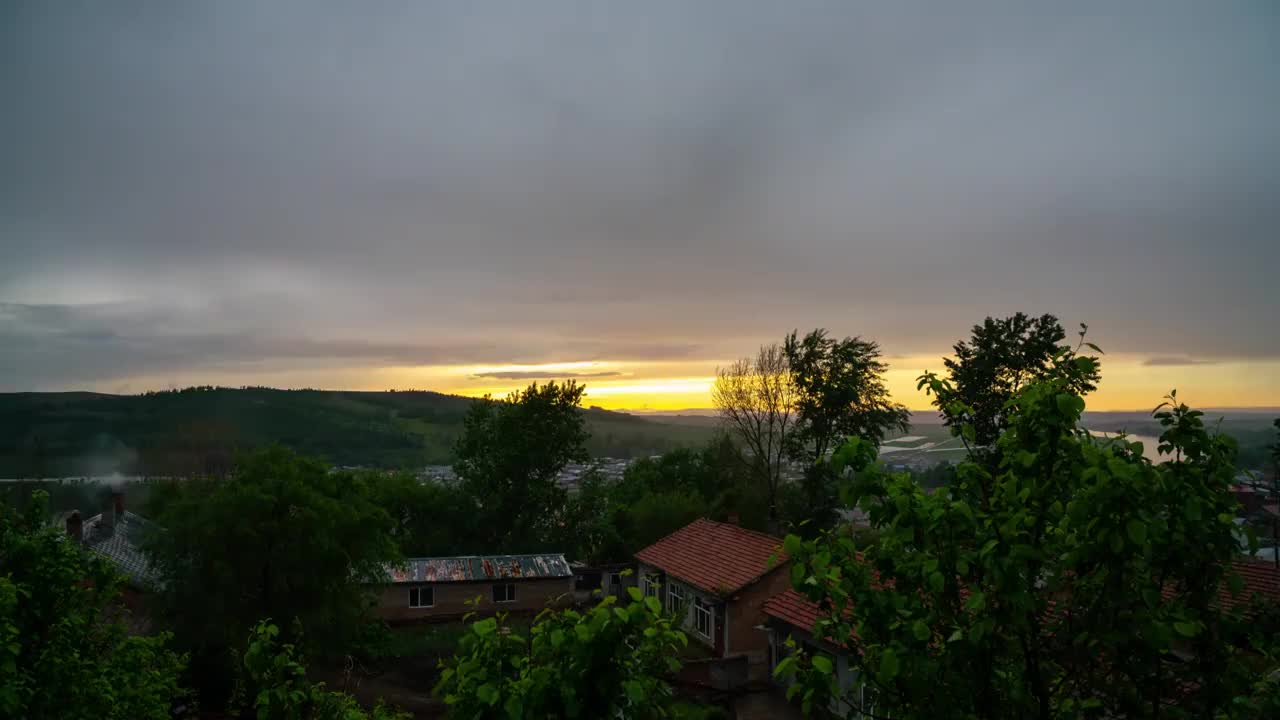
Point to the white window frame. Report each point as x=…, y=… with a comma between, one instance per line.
x=509, y=592
x=652, y=585
x=677, y=598
x=869, y=701
x=702, y=611
x=416, y=602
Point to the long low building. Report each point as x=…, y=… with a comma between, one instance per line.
x=449, y=587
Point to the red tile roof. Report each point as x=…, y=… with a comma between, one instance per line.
x=1259, y=577
x=715, y=557
x=792, y=608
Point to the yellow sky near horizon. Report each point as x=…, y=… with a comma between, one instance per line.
x=663, y=386
x=1127, y=384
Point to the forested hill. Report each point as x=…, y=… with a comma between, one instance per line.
x=200, y=429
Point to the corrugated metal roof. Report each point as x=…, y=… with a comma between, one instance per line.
x=475, y=568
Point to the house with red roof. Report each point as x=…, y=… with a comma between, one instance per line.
x=719, y=575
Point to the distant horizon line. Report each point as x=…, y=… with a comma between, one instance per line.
x=694, y=411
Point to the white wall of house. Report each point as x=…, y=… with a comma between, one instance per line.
x=697, y=608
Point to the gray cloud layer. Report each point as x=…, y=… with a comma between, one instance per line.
x=206, y=183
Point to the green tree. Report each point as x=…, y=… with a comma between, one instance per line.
x=606, y=662
x=839, y=392
x=1072, y=579
x=277, y=681
x=429, y=519
x=281, y=537
x=64, y=652
x=509, y=456
x=999, y=359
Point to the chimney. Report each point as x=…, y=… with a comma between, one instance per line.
x=111, y=515
x=75, y=525
x=733, y=519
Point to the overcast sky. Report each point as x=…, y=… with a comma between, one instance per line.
x=314, y=192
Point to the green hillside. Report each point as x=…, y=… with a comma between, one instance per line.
x=200, y=429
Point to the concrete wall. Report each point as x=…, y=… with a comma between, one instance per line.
x=451, y=599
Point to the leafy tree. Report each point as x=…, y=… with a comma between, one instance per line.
x=999, y=359
x=64, y=652
x=840, y=392
x=282, y=537
x=593, y=525
x=1072, y=579
x=509, y=456
x=429, y=519
x=605, y=662
x=659, y=514
x=756, y=401
x=278, y=683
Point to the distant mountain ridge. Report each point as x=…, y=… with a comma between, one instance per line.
x=199, y=430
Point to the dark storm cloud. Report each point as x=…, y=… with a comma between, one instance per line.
x=543, y=375
x=195, y=184
x=1164, y=361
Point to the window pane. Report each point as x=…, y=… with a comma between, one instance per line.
x=413, y=597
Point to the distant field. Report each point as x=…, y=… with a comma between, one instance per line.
x=199, y=430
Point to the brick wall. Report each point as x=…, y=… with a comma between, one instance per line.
x=451, y=599
x=746, y=613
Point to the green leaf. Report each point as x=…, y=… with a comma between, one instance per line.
x=1186, y=629
x=888, y=666
x=921, y=631
x=936, y=582
x=634, y=594
x=785, y=667
x=791, y=545
x=488, y=626
x=487, y=694
x=822, y=663
x=1137, y=531
x=955, y=636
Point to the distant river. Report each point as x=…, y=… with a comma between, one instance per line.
x=1149, y=444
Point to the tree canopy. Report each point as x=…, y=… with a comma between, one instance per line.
x=509, y=456
x=64, y=651
x=281, y=537
x=1072, y=579
x=1000, y=357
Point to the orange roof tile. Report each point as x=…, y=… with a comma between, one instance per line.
x=715, y=557
x=793, y=608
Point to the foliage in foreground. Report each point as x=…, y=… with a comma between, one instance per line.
x=1071, y=579
x=63, y=651
x=609, y=661
x=277, y=682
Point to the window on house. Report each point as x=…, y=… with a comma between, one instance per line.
x=676, y=598
x=422, y=597
x=652, y=585
x=869, y=702
x=702, y=618
x=615, y=582
x=504, y=592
